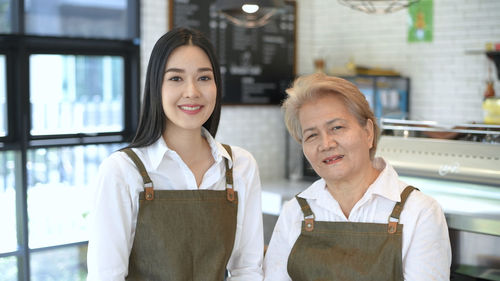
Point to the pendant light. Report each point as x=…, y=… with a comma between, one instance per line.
x=377, y=6
x=249, y=13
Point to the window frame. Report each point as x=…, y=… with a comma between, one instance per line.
x=17, y=48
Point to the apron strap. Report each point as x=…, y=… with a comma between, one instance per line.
x=308, y=213
x=148, y=184
x=229, y=175
x=398, y=208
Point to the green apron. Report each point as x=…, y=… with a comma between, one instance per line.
x=183, y=235
x=348, y=250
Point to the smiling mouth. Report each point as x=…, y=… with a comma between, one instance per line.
x=190, y=108
x=333, y=159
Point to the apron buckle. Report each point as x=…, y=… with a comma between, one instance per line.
x=230, y=193
x=309, y=223
x=392, y=226
x=149, y=190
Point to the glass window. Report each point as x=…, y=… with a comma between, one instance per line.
x=5, y=16
x=3, y=95
x=8, y=240
x=58, y=189
x=76, y=94
x=8, y=268
x=79, y=18
x=67, y=263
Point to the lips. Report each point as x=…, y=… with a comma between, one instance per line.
x=190, y=108
x=333, y=159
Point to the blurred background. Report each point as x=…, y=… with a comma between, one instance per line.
x=72, y=73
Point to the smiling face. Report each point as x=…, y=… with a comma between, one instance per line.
x=333, y=141
x=188, y=91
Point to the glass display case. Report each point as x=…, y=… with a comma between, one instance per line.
x=388, y=96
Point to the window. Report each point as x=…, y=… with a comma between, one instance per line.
x=69, y=97
x=5, y=16
x=80, y=94
x=3, y=100
x=80, y=18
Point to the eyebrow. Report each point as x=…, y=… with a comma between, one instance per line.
x=179, y=70
x=327, y=123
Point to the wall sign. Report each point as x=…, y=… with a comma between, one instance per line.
x=257, y=64
x=421, y=21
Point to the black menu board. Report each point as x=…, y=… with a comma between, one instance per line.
x=257, y=64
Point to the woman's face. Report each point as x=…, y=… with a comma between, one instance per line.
x=333, y=141
x=188, y=90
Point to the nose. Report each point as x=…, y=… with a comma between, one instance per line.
x=327, y=142
x=191, y=90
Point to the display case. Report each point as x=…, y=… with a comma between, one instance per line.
x=388, y=96
x=459, y=166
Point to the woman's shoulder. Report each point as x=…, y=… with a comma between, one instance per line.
x=421, y=203
x=242, y=156
x=117, y=162
x=292, y=207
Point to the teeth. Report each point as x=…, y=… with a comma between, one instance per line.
x=191, y=108
x=331, y=160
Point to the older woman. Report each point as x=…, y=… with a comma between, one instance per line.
x=359, y=221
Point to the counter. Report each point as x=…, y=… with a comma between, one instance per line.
x=467, y=206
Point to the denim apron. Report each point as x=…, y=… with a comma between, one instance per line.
x=183, y=235
x=348, y=250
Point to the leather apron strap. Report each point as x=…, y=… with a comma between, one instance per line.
x=396, y=212
x=346, y=250
x=183, y=235
x=148, y=184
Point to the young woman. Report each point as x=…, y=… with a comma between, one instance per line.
x=359, y=221
x=176, y=204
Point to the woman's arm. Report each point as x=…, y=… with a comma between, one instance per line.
x=246, y=260
x=111, y=223
x=285, y=234
x=428, y=256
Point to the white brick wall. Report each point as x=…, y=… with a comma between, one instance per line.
x=447, y=84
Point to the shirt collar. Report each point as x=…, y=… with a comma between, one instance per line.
x=382, y=186
x=157, y=150
x=387, y=183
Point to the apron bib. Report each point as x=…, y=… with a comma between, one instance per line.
x=183, y=235
x=348, y=251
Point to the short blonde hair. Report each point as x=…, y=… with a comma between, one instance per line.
x=308, y=87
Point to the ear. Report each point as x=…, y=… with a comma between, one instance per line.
x=369, y=129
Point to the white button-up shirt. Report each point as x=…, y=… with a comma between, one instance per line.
x=116, y=203
x=426, y=249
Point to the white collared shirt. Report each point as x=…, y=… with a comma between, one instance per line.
x=426, y=249
x=115, y=206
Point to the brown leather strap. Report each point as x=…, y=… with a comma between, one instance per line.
x=229, y=175
x=308, y=213
x=398, y=208
x=148, y=184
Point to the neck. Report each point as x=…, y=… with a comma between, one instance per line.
x=193, y=149
x=349, y=192
x=187, y=143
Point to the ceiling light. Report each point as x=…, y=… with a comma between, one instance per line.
x=250, y=8
x=249, y=13
x=377, y=6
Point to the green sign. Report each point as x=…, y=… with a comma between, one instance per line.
x=421, y=21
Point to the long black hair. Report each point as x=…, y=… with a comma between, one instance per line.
x=152, y=120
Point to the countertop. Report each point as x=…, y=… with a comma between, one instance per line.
x=467, y=206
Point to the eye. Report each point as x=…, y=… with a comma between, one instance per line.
x=205, y=78
x=336, y=128
x=310, y=137
x=175, y=78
